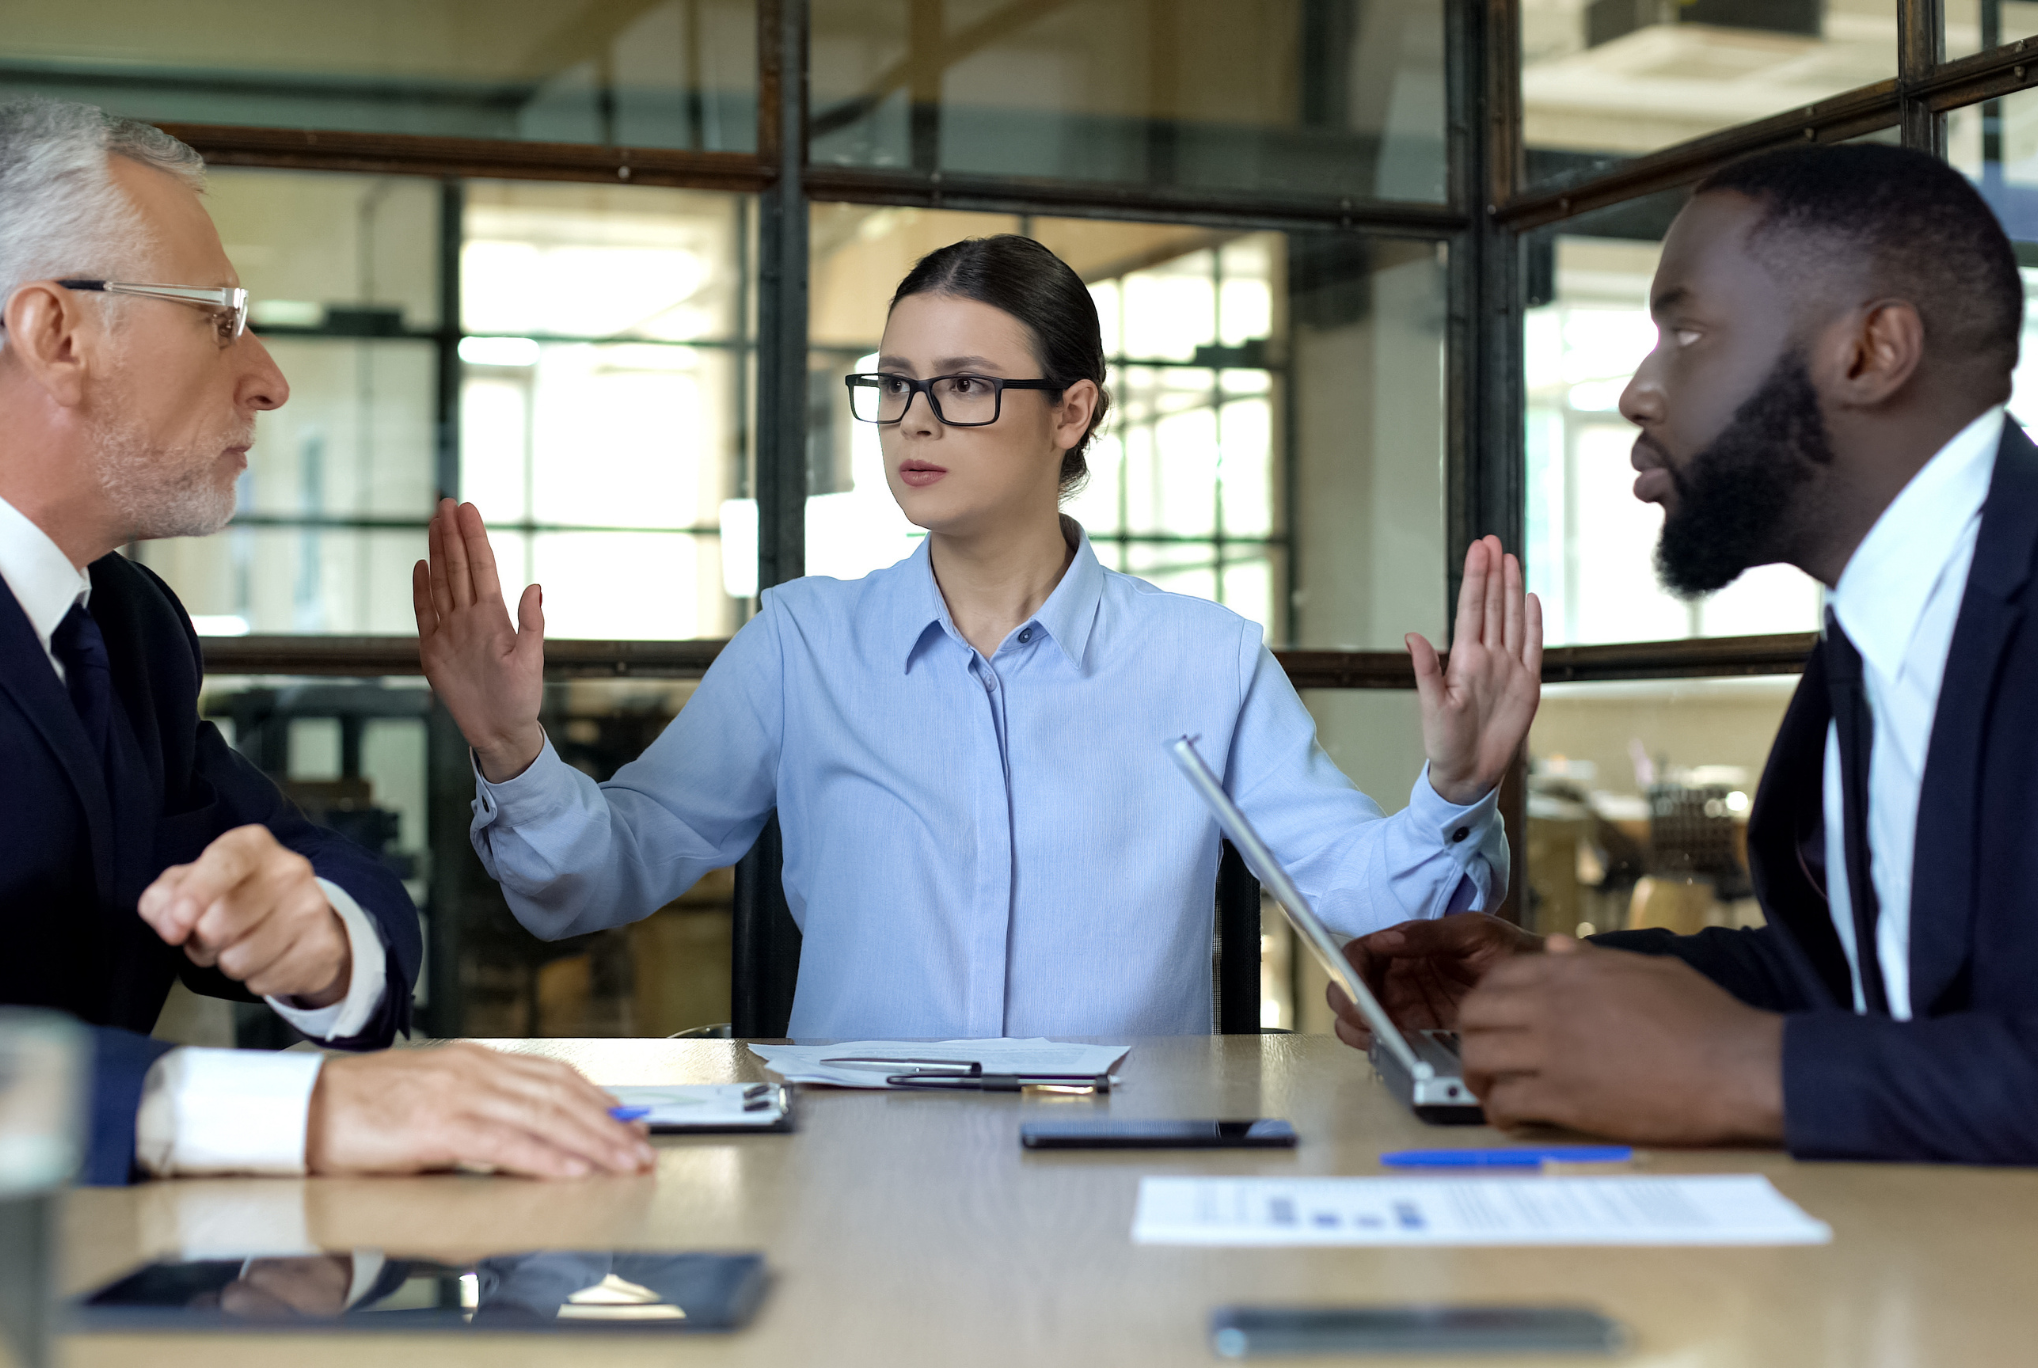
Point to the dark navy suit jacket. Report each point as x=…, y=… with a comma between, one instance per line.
x=74, y=857
x=1958, y=1082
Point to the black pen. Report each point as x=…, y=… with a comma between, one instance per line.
x=990, y=1082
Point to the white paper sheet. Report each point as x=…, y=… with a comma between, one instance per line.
x=1622, y=1210
x=702, y=1104
x=802, y=1063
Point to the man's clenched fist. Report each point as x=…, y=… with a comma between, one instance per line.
x=255, y=910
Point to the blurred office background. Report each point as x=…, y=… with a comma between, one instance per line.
x=1372, y=274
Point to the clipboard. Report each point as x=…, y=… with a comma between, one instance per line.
x=711, y=1108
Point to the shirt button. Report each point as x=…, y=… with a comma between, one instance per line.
x=990, y=683
x=1025, y=635
x=1460, y=834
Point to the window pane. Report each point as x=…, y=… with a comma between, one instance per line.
x=293, y=579
x=565, y=435
x=1995, y=144
x=1602, y=80
x=670, y=74
x=336, y=252
x=356, y=438
x=1591, y=544
x=1638, y=803
x=1976, y=25
x=601, y=261
x=623, y=585
x=625, y=435
x=1337, y=98
x=353, y=445
x=1366, y=357
x=343, y=275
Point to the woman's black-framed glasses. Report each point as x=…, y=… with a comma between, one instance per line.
x=957, y=400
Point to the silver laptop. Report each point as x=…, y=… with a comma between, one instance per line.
x=1419, y=1067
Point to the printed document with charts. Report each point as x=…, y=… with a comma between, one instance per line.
x=1738, y=1209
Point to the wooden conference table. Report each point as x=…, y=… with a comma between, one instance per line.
x=910, y=1228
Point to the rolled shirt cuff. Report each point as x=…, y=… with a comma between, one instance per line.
x=368, y=982
x=226, y=1111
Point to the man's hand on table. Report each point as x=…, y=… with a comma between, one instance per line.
x=1641, y=1048
x=254, y=909
x=1421, y=970
x=408, y=1111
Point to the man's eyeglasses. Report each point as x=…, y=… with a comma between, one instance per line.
x=229, y=303
x=956, y=400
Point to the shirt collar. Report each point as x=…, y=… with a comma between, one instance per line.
x=1071, y=610
x=1892, y=575
x=41, y=576
x=1068, y=616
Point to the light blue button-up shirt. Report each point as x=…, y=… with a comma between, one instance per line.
x=979, y=847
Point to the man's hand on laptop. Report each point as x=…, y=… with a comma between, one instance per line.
x=1421, y=970
x=1641, y=1048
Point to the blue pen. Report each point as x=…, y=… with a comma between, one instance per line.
x=629, y=1113
x=1509, y=1157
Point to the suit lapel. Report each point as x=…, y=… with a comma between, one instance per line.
x=26, y=677
x=137, y=751
x=1944, y=870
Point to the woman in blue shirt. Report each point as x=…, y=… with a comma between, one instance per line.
x=983, y=833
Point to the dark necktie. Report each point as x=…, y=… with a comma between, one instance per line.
x=88, y=674
x=1855, y=724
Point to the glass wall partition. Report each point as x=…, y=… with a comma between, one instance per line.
x=604, y=378
x=1338, y=98
x=664, y=74
x=1604, y=80
x=600, y=357
x=343, y=275
x=1974, y=26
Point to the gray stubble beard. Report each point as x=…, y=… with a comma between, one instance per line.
x=160, y=491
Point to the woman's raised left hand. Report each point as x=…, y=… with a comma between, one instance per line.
x=1476, y=713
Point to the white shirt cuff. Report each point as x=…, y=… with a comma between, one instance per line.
x=365, y=988
x=226, y=1111
x=368, y=1265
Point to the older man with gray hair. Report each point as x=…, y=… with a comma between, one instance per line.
x=141, y=847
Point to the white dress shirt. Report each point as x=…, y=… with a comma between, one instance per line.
x=1898, y=600
x=46, y=584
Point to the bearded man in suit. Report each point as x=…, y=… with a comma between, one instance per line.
x=1838, y=326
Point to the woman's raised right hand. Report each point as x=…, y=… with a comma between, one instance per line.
x=490, y=675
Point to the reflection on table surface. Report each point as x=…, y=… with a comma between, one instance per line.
x=912, y=1228
x=367, y=1288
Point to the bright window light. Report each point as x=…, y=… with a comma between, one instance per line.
x=499, y=351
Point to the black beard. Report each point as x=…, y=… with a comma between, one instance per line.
x=1737, y=498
